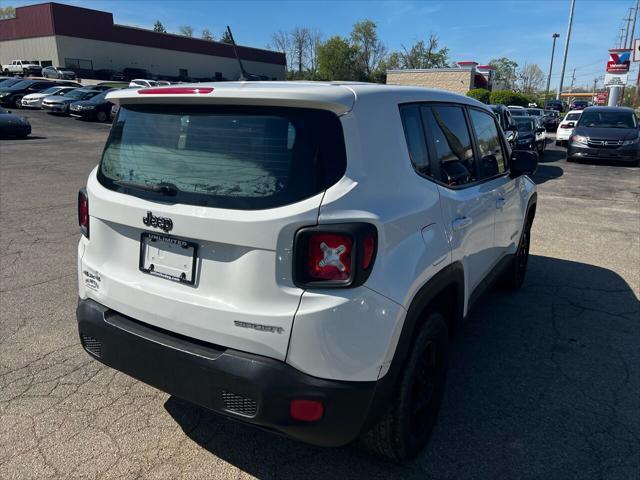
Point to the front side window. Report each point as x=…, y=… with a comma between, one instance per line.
x=492, y=160
x=446, y=129
x=414, y=135
x=229, y=157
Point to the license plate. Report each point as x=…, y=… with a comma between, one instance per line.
x=168, y=257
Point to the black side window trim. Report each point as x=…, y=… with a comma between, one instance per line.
x=472, y=136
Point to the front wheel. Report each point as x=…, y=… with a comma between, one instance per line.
x=101, y=116
x=405, y=428
x=17, y=102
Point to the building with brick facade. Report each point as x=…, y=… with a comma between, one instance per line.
x=87, y=41
x=466, y=76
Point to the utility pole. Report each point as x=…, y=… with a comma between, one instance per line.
x=626, y=34
x=633, y=27
x=553, y=49
x=566, y=49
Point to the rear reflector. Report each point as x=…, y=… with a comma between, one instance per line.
x=306, y=410
x=175, y=90
x=83, y=212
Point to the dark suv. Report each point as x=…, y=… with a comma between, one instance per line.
x=606, y=133
x=579, y=105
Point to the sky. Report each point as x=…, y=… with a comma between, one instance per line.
x=477, y=30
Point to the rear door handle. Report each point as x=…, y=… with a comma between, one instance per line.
x=461, y=223
x=500, y=202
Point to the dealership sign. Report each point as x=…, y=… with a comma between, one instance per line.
x=619, y=61
x=636, y=50
x=612, y=79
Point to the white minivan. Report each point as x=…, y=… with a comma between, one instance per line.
x=297, y=255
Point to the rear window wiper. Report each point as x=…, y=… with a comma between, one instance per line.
x=164, y=188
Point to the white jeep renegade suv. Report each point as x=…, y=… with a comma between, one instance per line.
x=297, y=255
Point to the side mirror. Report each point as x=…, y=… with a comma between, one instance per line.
x=523, y=162
x=540, y=130
x=511, y=136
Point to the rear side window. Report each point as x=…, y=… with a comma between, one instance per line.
x=492, y=160
x=447, y=132
x=224, y=156
x=414, y=135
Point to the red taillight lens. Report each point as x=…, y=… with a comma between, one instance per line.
x=306, y=410
x=564, y=125
x=174, y=90
x=334, y=256
x=368, y=250
x=83, y=212
x=329, y=256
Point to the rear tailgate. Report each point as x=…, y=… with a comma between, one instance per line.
x=243, y=297
x=244, y=179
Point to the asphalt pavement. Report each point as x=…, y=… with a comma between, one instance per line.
x=543, y=383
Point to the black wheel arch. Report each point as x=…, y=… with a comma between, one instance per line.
x=444, y=293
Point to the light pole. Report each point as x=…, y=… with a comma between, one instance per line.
x=553, y=49
x=566, y=49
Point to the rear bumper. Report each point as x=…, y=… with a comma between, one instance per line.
x=250, y=388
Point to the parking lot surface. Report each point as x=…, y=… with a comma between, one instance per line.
x=543, y=383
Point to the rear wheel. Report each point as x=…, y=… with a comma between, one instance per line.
x=513, y=277
x=101, y=116
x=404, y=429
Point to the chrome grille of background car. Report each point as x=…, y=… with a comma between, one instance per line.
x=598, y=143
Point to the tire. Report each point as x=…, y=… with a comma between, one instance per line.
x=513, y=277
x=17, y=102
x=404, y=429
x=102, y=116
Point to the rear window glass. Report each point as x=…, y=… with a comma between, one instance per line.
x=228, y=157
x=573, y=116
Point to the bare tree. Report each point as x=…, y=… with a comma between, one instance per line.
x=315, y=39
x=207, y=35
x=530, y=78
x=185, y=30
x=300, y=38
x=280, y=42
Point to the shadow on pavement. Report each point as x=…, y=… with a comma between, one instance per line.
x=546, y=173
x=539, y=381
x=552, y=155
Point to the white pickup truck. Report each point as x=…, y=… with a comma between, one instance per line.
x=21, y=67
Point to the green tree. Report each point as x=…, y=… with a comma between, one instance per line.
x=505, y=69
x=336, y=59
x=158, y=27
x=369, y=50
x=481, y=94
x=186, y=30
x=7, y=12
x=206, y=35
x=424, y=54
x=508, y=97
x=225, y=37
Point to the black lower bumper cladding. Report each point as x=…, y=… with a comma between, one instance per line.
x=249, y=388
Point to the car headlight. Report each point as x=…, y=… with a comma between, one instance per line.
x=3, y=94
x=631, y=141
x=580, y=139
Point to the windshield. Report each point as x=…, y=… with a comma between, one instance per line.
x=524, y=125
x=517, y=112
x=80, y=94
x=100, y=97
x=536, y=112
x=608, y=119
x=21, y=84
x=572, y=116
x=51, y=90
x=230, y=157
x=9, y=82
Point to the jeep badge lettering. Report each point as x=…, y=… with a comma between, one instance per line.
x=165, y=224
